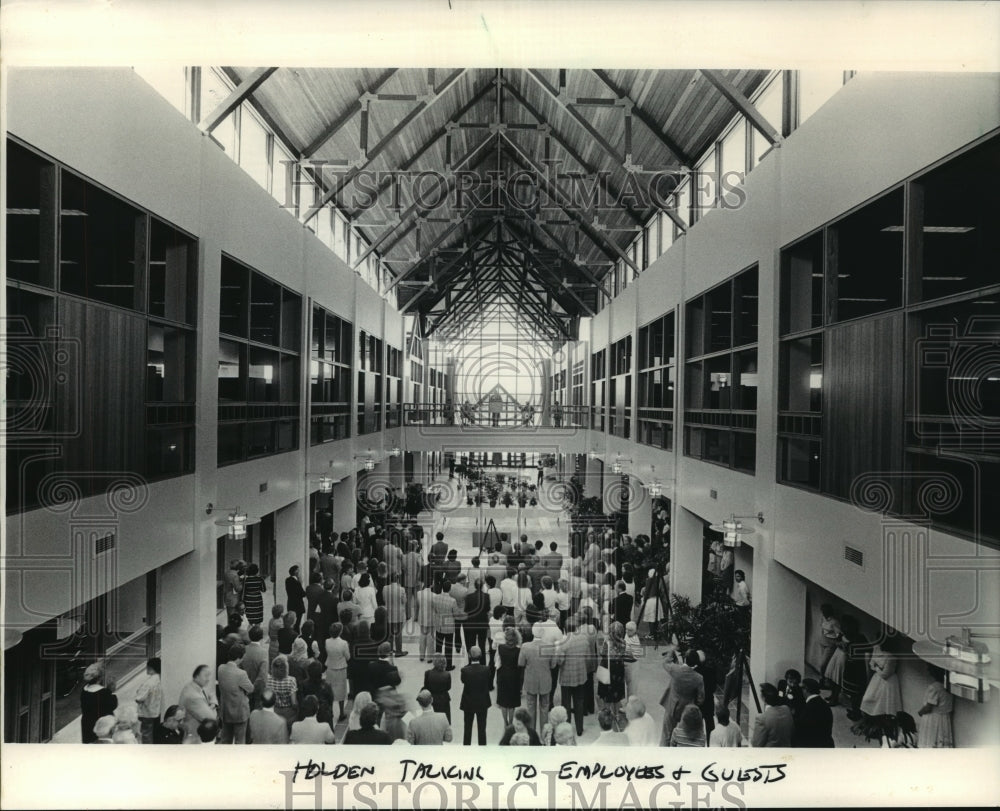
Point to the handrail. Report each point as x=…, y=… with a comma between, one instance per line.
x=502, y=415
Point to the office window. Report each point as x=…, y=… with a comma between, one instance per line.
x=802, y=285
x=31, y=217
x=99, y=235
x=867, y=256
x=173, y=261
x=657, y=375
x=259, y=365
x=720, y=405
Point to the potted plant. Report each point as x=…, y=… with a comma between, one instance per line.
x=468, y=499
x=522, y=500
x=508, y=499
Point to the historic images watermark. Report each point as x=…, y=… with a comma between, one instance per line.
x=550, y=191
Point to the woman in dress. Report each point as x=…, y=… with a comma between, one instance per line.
x=295, y=593
x=338, y=654
x=287, y=635
x=366, y=597
x=438, y=681
x=613, y=658
x=285, y=690
x=298, y=660
x=315, y=686
x=274, y=627
x=96, y=700
x=829, y=635
x=935, y=724
x=562, y=601
x=253, y=595
x=882, y=696
x=509, y=676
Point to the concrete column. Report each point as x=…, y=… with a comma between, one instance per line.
x=593, y=484
x=345, y=503
x=777, y=627
x=291, y=540
x=686, y=542
x=188, y=621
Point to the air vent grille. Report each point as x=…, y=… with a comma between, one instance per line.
x=855, y=556
x=104, y=544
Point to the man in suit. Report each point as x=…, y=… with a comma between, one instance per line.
x=313, y=592
x=394, y=599
x=429, y=728
x=254, y=661
x=775, y=725
x=326, y=614
x=814, y=720
x=477, y=616
x=553, y=561
x=266, y=726
x=686, y=687
x=536, y=659
x=572, y=658
x=707, y=707
x=459, y=589
x=623, y=602
x=411, y=578
x=328, y=565
x=536, y=573
x=438, y=551
x=197, y=702
x=444, y=621
x=475, y=696
x=235, y=688
x=393, y=557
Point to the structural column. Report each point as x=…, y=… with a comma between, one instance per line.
x=345, y=505
x=188, y=598
x=686, y=554
x=291, y=540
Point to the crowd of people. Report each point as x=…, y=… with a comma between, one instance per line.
x=519, y=622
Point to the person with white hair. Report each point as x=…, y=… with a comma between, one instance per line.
x=429, y=728
x=641, y=729
x=103, y=729
x=127, y=727
x=565, y=735
x=97, y=699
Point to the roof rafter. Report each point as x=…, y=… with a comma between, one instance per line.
x=743, y=104
x=242, y=91
x=355, y=107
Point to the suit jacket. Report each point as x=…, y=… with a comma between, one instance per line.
x=438, y=552
x=536, y=659
x=198, y=705
x=623, y=607
x=235, y=688
x=394, y=598
x=476, y=609
x=686, y=687
x=444, y=613
x=439, y=683
x=328, y=566
x=476, y=692
x=254, y=661
x=382, y=673
x=536, y=573
x=313, y=591
x=553, y=563
x=430, y=728
x=814, y=724
x=572, y=657
x=267, y=727
x=358, y=737
x=327, y=605
x=309, y=730
x=773, y=727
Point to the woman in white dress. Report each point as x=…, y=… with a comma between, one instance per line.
x=882, y=696
x=935, y=715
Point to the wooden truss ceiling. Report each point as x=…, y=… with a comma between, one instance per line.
x=458, y=251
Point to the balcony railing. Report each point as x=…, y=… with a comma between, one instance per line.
x=504, y=415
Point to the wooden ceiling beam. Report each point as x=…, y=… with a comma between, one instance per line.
x=647, y=119
x=742, y=104
x=375, y=151
x=241, y=92
x=355, y=107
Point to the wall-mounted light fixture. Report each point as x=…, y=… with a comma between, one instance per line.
x=733, y=531
x=236, y=522
x=616, y=465
x=369, y=460
x=395, y=451
x=969, y=668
